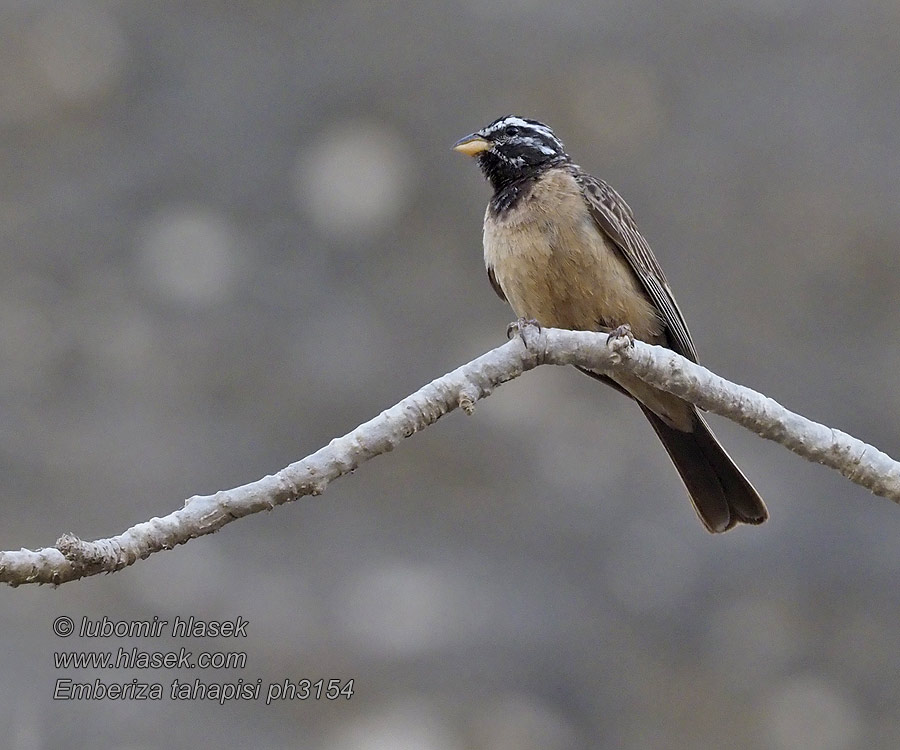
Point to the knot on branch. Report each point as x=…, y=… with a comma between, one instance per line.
x=89, y=556
x=71, y=547
x=467, y=398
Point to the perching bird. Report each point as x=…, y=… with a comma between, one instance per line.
x=562, y=247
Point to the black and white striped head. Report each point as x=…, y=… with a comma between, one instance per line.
x=512, y=148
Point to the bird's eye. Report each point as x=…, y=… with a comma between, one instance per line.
x=511, y=130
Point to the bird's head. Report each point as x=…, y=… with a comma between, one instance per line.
x=512, y=148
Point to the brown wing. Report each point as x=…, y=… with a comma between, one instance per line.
x=496, y=284
x=614, y=217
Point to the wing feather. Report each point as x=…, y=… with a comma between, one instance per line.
x=615, y=218
x=492, y=277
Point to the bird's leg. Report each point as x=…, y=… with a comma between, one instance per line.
x=524, y=328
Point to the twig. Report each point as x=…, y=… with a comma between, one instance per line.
x=72, y=558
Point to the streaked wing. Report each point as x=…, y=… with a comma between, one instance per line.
x=614, y=217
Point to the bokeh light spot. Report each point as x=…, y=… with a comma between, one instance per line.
x=355, y=177
x=190, y=255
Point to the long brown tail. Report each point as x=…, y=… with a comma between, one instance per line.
x=720, y=492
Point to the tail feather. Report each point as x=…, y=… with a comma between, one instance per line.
x=721, y=494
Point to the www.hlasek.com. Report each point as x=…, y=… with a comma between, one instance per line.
x=177, y=689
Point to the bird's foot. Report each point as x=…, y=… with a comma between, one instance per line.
x=525, y=328
x=620, y=338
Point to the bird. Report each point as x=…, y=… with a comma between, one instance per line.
x=563, y=249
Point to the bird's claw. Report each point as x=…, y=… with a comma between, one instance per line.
x=525, y=328
x=620, y=338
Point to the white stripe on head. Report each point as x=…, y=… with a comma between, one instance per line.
x=546, y=150
x=536, y=127
x=536, y=134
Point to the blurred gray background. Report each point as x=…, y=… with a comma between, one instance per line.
x=230, y=232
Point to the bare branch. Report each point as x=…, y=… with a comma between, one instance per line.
x=72, y=558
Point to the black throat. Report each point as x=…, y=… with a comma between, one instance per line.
x=513, y=193
x=511, y=182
